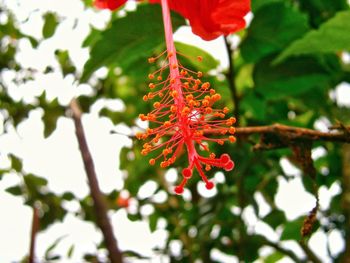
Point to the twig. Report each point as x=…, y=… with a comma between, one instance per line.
x=345, y=258
x=295, y=133
x=309, y=253
x=283, y=132
x=283, y=250
x=100, y=207
x=35, y=228
x=231, y=80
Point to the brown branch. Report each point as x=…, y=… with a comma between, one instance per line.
x=230, y=75
x=309, y=253
x=35, y=229
x=286, y=133
x=100, y=207
x=281, y=136
x=345, y=258
x=283, y=250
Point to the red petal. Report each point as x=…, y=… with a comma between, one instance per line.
x=109, y=4
x=210, y=19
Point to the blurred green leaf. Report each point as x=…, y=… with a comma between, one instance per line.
x=291, y=78
x=50, y=24
x=275, y=218
x=15, y=190
x=332, y=36
x=292, y=230
x=267, y=33
x=128, y=38
x=16, y=163
x=207, y=63
x=48, y=251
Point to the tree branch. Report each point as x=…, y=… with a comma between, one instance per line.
x=309, y=253
x=295, y=133
x=283, y=250
x=230, y=75
x=100, y=207
x=35, y=228
x=345, y=258
x=286, y=134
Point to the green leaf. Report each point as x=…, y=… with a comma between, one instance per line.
x=257, y=4
x=50, y=25
x=275, y=218
x=294, y=77
x=70, y=251
x=292, y=230
x=48, y=251
x=332, y=36
x=66, y=64
x=274, y=26
x=153, y=219
x=52, y=111
x=274, y=257
x=321, y=10
x=16, y=163
x=128, y=39
x=15, y=190
x=205, y=65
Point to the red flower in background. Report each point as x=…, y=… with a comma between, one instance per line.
x=109, y=4
x=209, y=19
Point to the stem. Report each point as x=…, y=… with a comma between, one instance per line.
x=346, y=200
x=283, y=250
x=309, y=253
x=35, y=228
x=99, y=204
x=231, y=80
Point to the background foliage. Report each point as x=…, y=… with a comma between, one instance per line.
x=288, y=62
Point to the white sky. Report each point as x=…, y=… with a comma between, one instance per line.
x=57, y=158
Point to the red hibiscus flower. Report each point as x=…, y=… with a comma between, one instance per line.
x=209, y=19
x=109, y=4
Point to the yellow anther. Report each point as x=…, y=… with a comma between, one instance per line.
x=212, y=91
x=159, y=78
x=185, y=111
x=152, y=162
x=145, y=98
x=143, y=117
x=150, y=76
x=208, y=110
x=205, y=103
x=189, y=97
x=207, y=167
x=231, y=130
x=151, y=85
x=156, y=104
x=216, y=97
x=167, y=124
x=205, y=85
x=232, y=138
x=212, y=156
x=139, y=135
x=173, y=109
x=199, y=74
x=225, y=110
x=151, y=60
x=174, y=94
x=199, y=58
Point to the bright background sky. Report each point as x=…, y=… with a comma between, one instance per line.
x=58, y=160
